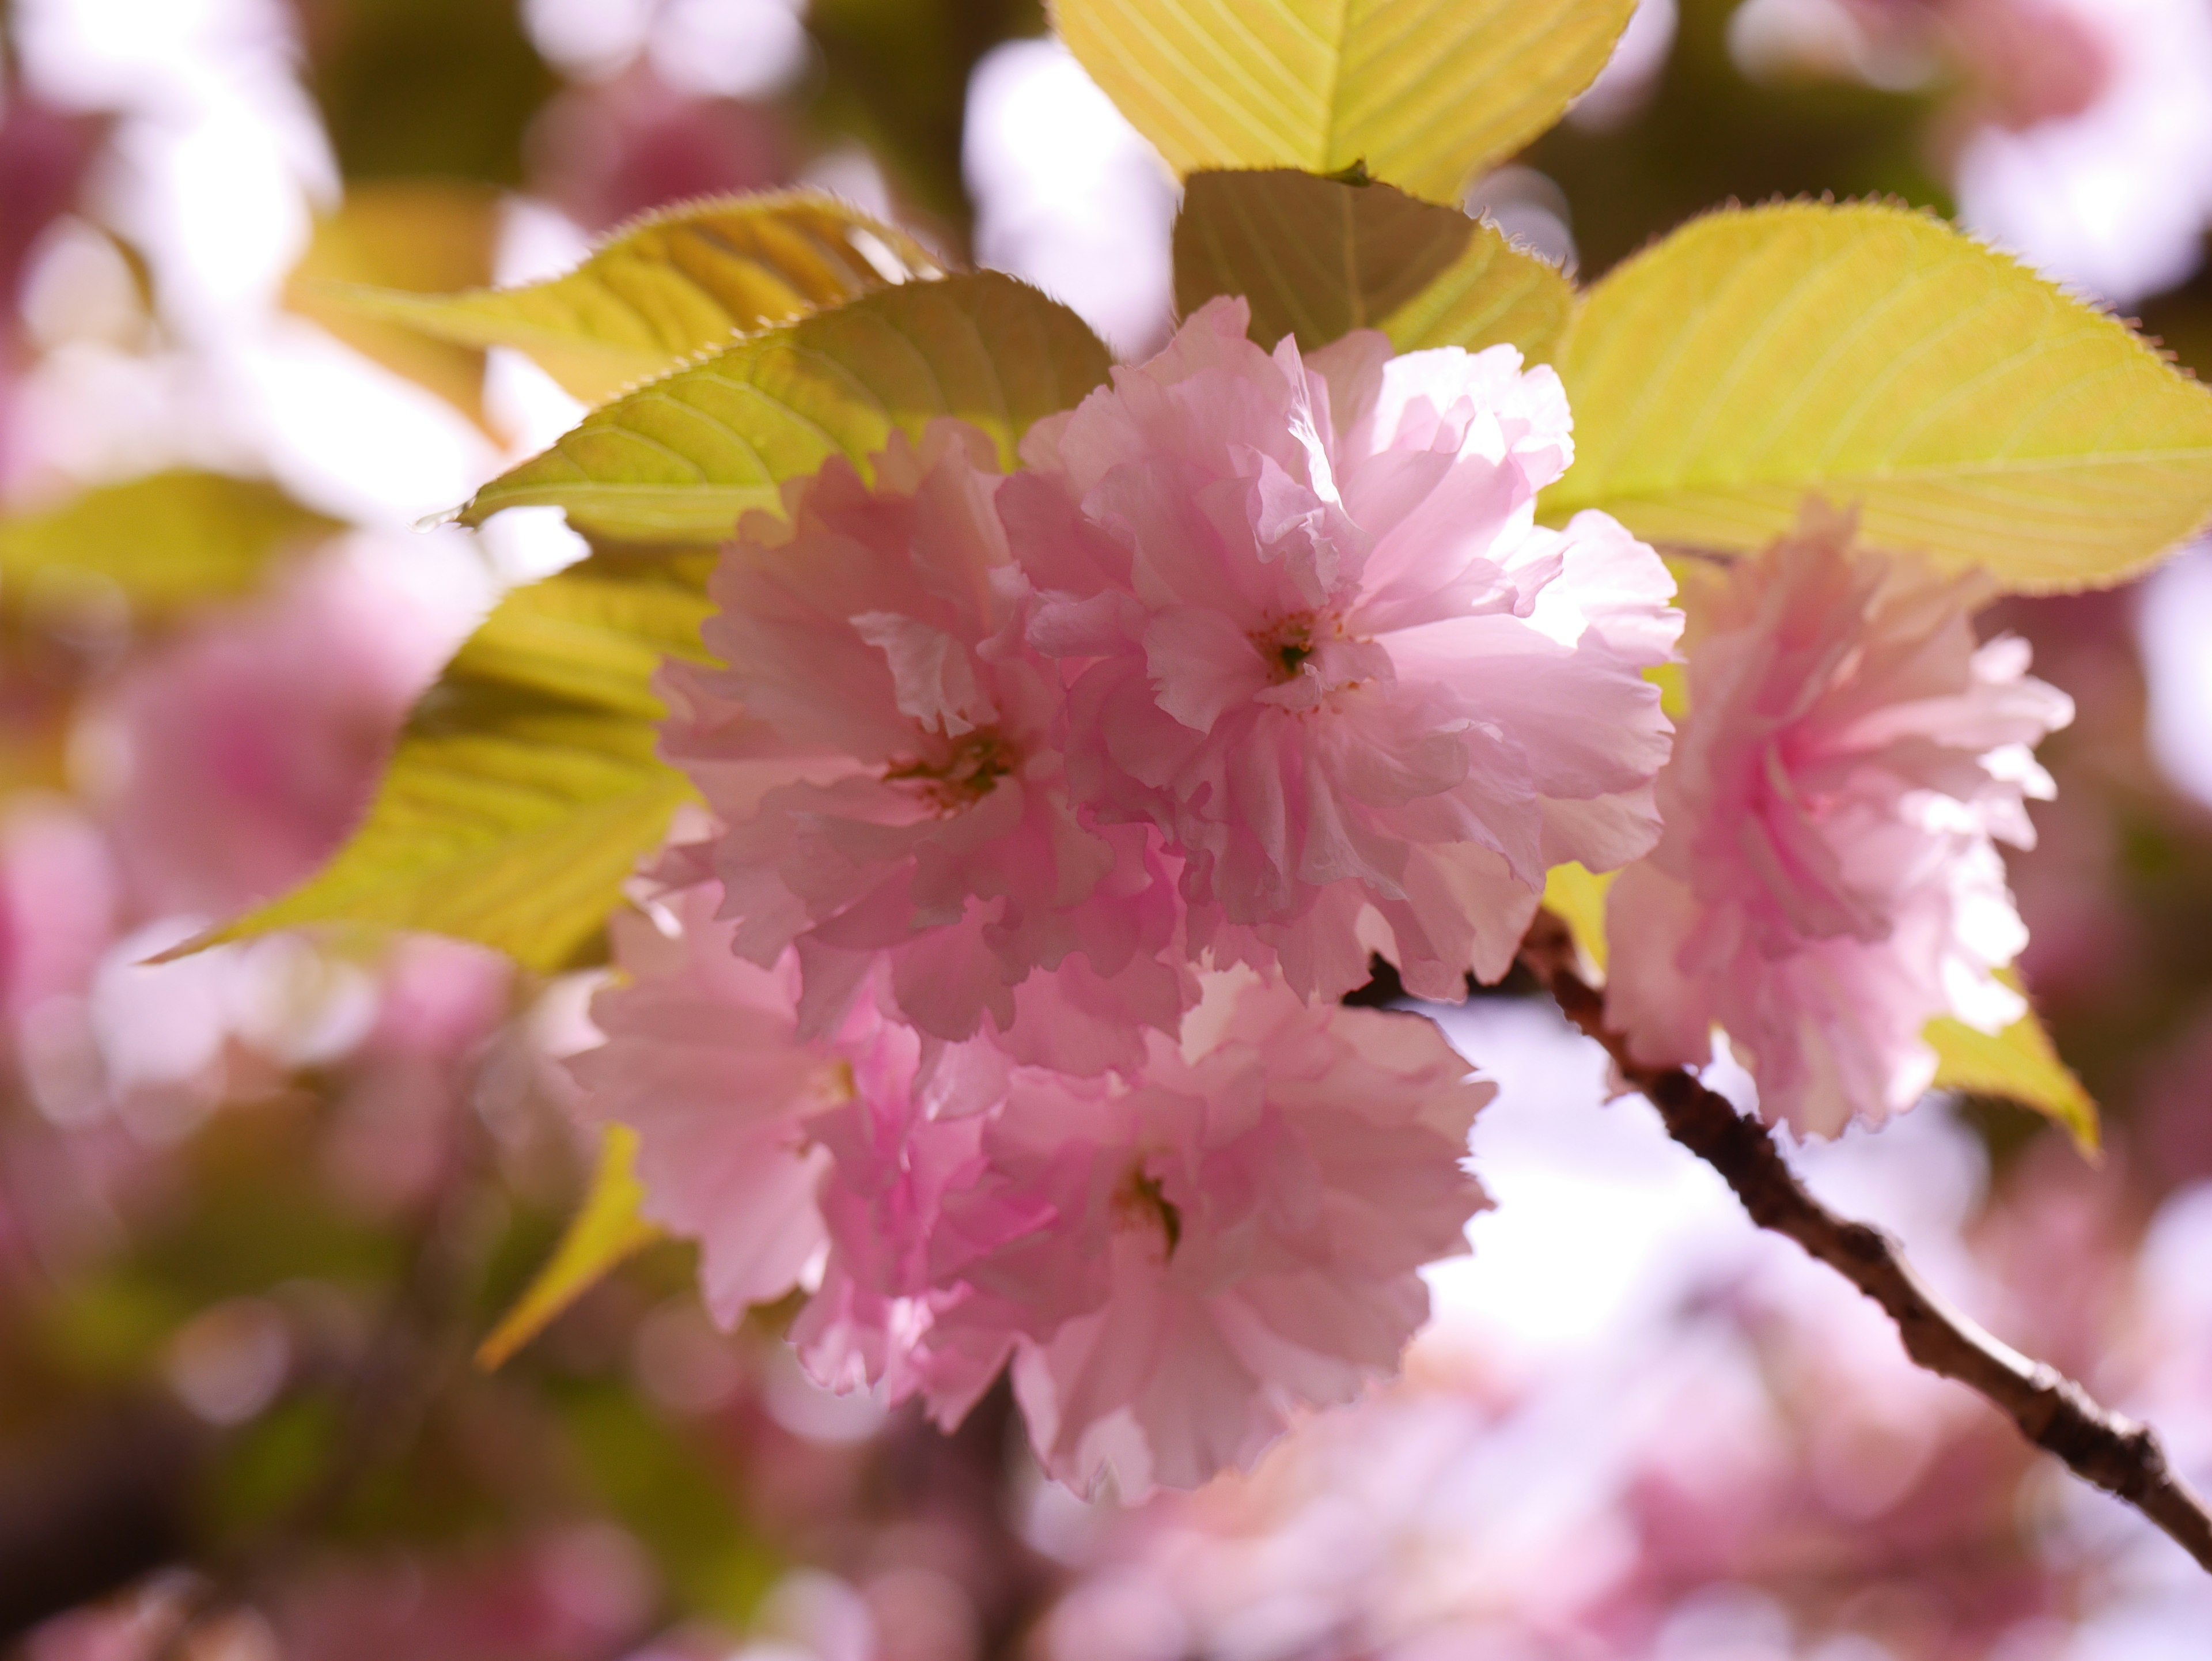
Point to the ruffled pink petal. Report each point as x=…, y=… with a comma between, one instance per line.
x=882, y=746
x=1827, y=882
x=1235, y=1237
x=1315, y=634
x=702, y=1059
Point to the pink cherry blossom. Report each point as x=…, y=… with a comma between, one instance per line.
x=1174, y=1262
x=874, y=648
x=1234, y=1238
x=878, y=1319
x=1324, y=647
x=702, y=1060
x=791, y=1158
x=1828, y=881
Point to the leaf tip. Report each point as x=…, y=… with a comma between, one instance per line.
x=194, y=945
x=606, y=1229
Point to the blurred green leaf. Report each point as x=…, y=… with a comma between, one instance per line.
x=680, y=459
x=526, y=788
x=1318, y=257
x=166, y=540
x=250, y=1223
x=107, y=1328
x=894, y=73
x=1424, y=92
x=1876, y=356
x=424, y=88
x=2019, y=1065
x=669, y=1494
x=675, y=285
x=605, y=1230
x=416, y=236
x=272, y=1464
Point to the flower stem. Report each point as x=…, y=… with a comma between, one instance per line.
x=2120, y=1456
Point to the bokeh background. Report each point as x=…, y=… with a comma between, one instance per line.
x=257, y=1206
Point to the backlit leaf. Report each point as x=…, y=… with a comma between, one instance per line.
x=594, y=634
x=526, y=787
x=676, y=283
x=166, y=540
x=1318, y=257
x=1424, y=92
x=680, y=459
x=1876, y=356
x=416, y=236
x=605, y=1230
x=2020, y=1064
x=1576, y=897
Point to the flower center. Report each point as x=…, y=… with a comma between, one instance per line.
x=970, y=771
x=1285, y=646
x=836, y=1084
x=1141, y=1203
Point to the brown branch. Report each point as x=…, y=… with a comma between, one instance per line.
x=2053, y=1411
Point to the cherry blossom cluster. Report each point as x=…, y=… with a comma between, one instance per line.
x=1829, y=880
x=1054, y=811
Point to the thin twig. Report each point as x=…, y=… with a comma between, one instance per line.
x=2053, y=1411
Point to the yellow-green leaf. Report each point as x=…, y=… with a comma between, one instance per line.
x=1318, y=257
x=1423, y=91
x=1576, y=897
x=526, y=787
x=1876, y=356
x=166, y=540
x=605, y=1230
x=676, y=283
x=2020, y=1064
x=1673, y=681
x=680, y=459
x=594, y=634
x=418, y=236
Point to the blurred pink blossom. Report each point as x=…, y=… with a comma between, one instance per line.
x=440, y=1002
x=1324, y=647
x=2032, y=61
x=43, y=156
x=608, y=151
x=573, y=1594
x=58, y=904
x=1828, y=881
x=2088, y=146
x=245, y=750
x=1749, y=1472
